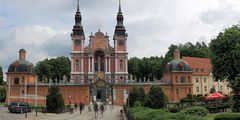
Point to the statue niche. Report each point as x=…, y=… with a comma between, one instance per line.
x=99, y=61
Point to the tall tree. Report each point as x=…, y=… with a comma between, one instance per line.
x=155, y=98
x=136, y=94
x=1, y=76
x=54, y=69
x=54, y=101
x=225, y=58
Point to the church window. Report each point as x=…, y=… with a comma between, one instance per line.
x=16, y=81
x=197, y=80
x=189, y=79
x=182, y=79
x=189, y=90
x=177, y=90
x=205, y=89
x=205, y=80
x=197, y=89
x=77, y=65
x=121, y=65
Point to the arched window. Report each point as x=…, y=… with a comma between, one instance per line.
x=121, y=65
x=77, y=65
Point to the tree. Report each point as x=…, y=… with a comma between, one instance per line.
x=2, y=94
x=136, y=94
x=225, y=58
x=54, y=101
x=54, y=68
x=155, y=98
x=1, y=76
x=212, y=90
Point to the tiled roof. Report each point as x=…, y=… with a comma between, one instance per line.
x=200, y=66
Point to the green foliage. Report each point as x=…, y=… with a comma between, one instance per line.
x=2, y=94
x=148, y=68
x=54, y=68
x=228, y=116
x=188, y=49
x=197, y=110
x=188, y=98
x=137, y=104
x=155, y=98
x=1, y=76
x=54, y=100
x=142, y=113
x=174, y=109
x=212, y=90
x=136, y=94
x=225, y=58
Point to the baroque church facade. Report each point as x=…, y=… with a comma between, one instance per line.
x=98, y=58
x=99, y=71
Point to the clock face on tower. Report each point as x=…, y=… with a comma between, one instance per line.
x=121, y=42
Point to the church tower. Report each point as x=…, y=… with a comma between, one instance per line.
x=120, y=46
x=77, y=50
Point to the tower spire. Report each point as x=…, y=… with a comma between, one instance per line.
x=77, y=28
x=119, y=9
x=120, y=28
x=77, y=5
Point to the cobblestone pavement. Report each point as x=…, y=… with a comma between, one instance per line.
x=111, y=113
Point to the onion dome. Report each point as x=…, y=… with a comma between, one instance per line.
x=21, y=65
x=177, y=64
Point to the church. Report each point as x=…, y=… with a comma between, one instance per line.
x=99, y=71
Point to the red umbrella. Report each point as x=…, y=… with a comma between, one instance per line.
x=215, y=96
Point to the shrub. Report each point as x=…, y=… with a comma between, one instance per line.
x=175, y=109
x=155, y=98
x=143, y=113
x=137, y=104
x=136, y=94
x=197, y=110
x=228, y=116
x=54, y=101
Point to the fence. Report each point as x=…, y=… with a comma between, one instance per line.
x=127, y=113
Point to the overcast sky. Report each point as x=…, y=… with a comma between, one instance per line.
x=43, y=27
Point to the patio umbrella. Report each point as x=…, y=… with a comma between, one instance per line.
x=215, y=96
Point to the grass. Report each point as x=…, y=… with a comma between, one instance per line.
x=212, y=115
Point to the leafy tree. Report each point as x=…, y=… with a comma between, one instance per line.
x=212, y=90
x=54, y=101
x=136, y=94
x=54, y=68
x=225, y=58
x=148, y=68
x=1, y=76
x=155, y=98
x=2, y=94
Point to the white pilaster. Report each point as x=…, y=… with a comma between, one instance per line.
x=109, y=64
x=89, y=65
x=82, y=64
x=105, y=64
x=126, y=64
x=92, y=64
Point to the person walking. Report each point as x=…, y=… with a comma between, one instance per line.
x=81, y=107
x=102, y=109
x=96, y=109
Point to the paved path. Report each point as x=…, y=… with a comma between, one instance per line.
x=111, y=113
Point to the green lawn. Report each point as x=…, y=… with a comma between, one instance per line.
x=212, y=115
